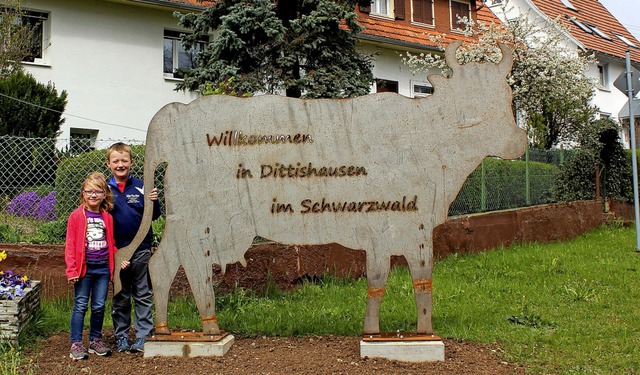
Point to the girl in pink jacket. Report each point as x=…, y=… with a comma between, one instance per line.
x=89, y=255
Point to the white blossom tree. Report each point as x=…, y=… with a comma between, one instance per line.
x=15, y=38
x=551, y=92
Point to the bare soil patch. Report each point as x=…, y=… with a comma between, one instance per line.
x=269, y=355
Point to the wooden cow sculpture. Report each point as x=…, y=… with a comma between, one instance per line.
x=377, y=173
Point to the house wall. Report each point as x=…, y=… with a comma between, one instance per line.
x=109, y=59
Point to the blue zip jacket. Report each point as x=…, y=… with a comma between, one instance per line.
x=127, y=213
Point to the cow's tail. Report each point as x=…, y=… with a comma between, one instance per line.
x=125, y=253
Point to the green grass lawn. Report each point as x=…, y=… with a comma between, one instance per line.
x=571, y=307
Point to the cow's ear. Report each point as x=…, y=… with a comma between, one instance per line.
x=450, y=55
x=504, y=66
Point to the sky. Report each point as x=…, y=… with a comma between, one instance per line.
x=627, y=12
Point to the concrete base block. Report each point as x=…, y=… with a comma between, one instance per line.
x=188, y=349
x=407, y=351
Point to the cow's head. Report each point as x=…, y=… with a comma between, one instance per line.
x=479, y=101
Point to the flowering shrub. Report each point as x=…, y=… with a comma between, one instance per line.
x=29, y=204
x=12, y=285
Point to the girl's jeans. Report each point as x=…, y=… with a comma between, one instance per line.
x=94, y=285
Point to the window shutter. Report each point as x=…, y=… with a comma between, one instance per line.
x=422, y=11
x=398, y=8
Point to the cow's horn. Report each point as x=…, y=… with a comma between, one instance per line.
x=504, y=66
x=450, y=54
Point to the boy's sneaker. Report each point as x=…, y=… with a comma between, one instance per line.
x=96, y=346
x=138, y=346
x=122, y=344
x=78, y=351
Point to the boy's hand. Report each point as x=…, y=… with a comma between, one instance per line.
x=154, y=194
x=72, y=280
x=124, y=264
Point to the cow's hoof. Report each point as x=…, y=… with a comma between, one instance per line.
x=162, y=329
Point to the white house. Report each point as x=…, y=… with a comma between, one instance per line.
x=115, y=58
x=592, y=28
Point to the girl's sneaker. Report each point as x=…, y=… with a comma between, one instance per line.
x=78, y=352
x=96, y=346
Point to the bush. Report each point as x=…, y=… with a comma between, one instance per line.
x=600, y=149
x=21, y=119
x=504, y=186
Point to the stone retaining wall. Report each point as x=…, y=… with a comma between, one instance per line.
x=15, y=314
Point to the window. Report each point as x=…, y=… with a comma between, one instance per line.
x=382, y=7
x=584, y=27
x=603, y=75
x=626, y=41
x=421, y=89
x=598, y=31
x=383, y=85
x=422, y=11
x=175, y=56
x=459, y=10
x=37, y=22
x=568, y=4
x=82, y=140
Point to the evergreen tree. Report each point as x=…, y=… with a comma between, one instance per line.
x=25, y=104
x=305, y=48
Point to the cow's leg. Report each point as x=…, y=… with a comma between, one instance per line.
x=421, y=270
x=377, y=274
x=199, y=270
x=163, y=267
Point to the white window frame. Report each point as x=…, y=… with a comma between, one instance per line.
x=603, y=76
x=377, y=5
x=454, y=20
x=82, y=140
x=420, y=84
x=31, y=17
x=177, y=50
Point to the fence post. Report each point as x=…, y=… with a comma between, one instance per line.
x=483, y=187
x=527, y=182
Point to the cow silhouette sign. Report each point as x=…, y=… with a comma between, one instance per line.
x=376, y=173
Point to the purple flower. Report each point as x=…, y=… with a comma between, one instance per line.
x=29, y=204
x=46, y=208
x=22, y=205
x=12, y=285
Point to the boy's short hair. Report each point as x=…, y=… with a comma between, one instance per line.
x=119, y=147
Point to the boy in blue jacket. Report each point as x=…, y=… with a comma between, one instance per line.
x=128, y=199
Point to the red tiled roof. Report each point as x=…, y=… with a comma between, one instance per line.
x=390, y=30
x=404, y=31
x=591, y=12
x=196, y=3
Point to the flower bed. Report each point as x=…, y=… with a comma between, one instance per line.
x=15, y=314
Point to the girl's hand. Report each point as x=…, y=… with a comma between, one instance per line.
x=125, y=264
x=72, y=280
x=154, y=194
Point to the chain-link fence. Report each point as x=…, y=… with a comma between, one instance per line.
x=41, y=181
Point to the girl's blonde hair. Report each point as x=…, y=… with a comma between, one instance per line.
x=96, y=181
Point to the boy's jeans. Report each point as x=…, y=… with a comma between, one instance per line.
x=136, y=285
x=94, y=285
